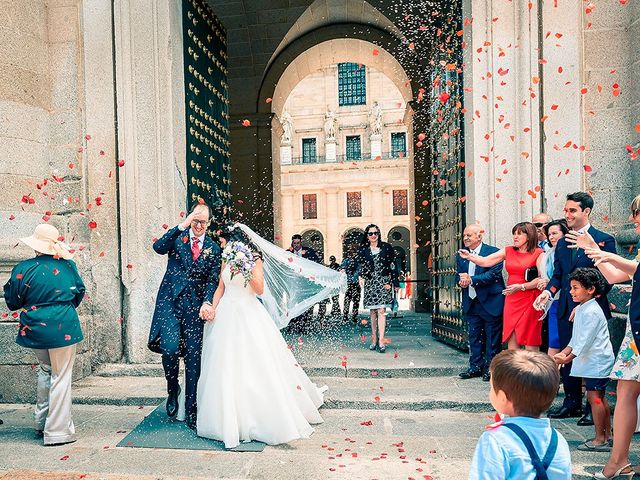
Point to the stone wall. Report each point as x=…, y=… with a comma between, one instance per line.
x=611, y=59
x=44, y=156
x=60, y=102
x=543, y=116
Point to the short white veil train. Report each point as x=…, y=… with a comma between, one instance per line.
x=292, y=284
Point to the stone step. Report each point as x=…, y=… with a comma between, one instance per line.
x=372, y=393
x=354, y=444
x=155, y=370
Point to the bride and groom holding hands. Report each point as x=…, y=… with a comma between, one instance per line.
x=222, y=311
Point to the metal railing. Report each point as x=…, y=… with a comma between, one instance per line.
x=364, y=157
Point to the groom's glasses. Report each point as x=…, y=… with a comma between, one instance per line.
x=202, y=223
x=373, y=234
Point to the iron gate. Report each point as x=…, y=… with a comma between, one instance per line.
x=207, y=107
x=447, y=197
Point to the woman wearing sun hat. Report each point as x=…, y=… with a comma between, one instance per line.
x=46, y=290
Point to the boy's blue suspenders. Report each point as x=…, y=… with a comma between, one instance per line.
x=539, y=465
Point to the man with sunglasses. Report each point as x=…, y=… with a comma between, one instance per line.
x=540, y=220
x=183, y=302
x=577, y=209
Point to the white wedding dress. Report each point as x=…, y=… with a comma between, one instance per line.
x=251, y=387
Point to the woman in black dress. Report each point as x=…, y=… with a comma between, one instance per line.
x=377, y=267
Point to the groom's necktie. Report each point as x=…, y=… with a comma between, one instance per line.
x=195, y=249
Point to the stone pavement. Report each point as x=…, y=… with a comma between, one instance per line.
x=386, y=417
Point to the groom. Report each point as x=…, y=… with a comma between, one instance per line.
x=185, y=295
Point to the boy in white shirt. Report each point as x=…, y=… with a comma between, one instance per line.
x=591, y=352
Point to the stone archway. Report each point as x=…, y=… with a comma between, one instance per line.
x=365, y=44
x=305, y=94
x=314, y=239
x=254, y=174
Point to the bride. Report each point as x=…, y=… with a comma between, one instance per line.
x=250, y=386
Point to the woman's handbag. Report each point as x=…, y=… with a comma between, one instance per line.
x=531, y=274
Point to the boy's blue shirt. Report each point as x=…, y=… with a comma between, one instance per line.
x=500, y=454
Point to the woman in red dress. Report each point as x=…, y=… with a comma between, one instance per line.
x=521, y=322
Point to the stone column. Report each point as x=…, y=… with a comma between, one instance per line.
x=332, y=239
x=151, y=123
x=252, y=171
x=562, y=81
x=101, y=156
x=502, y=124
x=377, y=206
x=288, y=214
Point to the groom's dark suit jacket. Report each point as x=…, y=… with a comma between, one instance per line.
x=183, y=277
x=566, y=261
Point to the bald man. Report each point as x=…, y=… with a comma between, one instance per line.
x=482, y=304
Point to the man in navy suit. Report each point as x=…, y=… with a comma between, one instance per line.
x=577, y=209
x=183, y=301
x=482, y=304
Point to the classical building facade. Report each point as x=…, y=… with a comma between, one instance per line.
x=507, y=107
x=345, y=160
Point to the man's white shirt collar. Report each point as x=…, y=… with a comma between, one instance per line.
x=585, y=228
x=192, y=236
x=476, y=251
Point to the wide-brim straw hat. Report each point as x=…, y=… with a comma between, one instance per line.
x=45, y=240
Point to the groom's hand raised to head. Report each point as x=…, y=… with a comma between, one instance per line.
x=207, y=312
x=187, y=221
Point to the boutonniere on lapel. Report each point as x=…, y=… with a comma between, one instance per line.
x=206, y=252
x=185, y=239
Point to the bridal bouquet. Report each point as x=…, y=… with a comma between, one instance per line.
x=240, y=259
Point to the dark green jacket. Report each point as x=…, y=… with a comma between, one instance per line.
x=47, y=292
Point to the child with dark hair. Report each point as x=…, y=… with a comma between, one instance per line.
x=523, y=445
x=591, y=352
